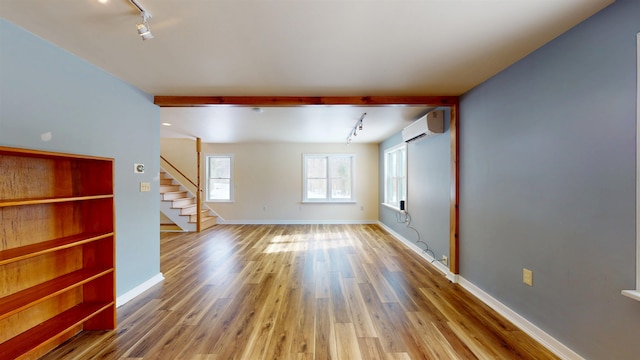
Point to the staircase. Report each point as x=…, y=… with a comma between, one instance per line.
x=179, y=205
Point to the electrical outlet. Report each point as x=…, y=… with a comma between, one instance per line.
x=145, y=186
x=445, y=260
x=527, y=276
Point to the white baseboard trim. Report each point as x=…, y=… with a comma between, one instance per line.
x=300, y=222
x=454, y=278
x=632, y=294
x=525, y=325
x=438, y=265
x=129, y=295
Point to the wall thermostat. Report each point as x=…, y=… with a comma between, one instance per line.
x=138, y=168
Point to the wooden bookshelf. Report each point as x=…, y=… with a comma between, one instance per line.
x=57, y=249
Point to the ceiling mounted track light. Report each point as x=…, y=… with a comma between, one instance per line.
x=358, y=126
x=143, y=28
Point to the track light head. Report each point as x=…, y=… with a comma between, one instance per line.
x=144, y=31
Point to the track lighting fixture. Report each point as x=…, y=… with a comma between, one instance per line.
x=144, y=31
x=143, y=28
x=357, y=126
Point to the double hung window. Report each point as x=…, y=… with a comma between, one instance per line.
x=219, y=178
x=328, y=178
x=395, y=175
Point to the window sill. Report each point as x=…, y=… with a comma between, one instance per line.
x=633, y=294
x=395, y=208
x=327, y=202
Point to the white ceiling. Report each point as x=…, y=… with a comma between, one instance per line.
x=299, y=48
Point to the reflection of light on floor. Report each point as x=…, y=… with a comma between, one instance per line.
x=217, y=255
x=304, y=242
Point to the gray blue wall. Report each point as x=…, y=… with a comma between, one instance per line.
x=547, y=182
x=428, y=195
x=44, y=89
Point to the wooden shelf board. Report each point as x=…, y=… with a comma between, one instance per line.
x=21, y=300
x=51, y=200
x=25, y=252
x=5, y=150
x=43, y=334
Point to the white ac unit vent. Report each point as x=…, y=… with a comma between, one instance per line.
x=428, y=125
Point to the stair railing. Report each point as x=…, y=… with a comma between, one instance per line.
x=178, y=171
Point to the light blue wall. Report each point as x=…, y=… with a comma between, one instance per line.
x=87, y=111
x=428, y=190
x=547, y=182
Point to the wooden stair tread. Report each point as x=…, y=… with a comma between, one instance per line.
x=174, y=192
x=169, y=188
x=204, y=213
x=171, y=195
x=189, y=210
x=184, y=206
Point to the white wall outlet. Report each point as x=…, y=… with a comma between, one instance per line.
x=527, y=276
x=138, y=168
x=145, y=186
x=445, y=260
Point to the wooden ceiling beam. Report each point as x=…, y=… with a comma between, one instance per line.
x=265, y=101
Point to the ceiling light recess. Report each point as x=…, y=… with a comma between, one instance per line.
x=143, y=28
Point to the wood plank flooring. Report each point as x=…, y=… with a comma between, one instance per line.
x=301, y=292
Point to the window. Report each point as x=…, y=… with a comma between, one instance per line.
x=395, y=175
x=220, y=178
x=328, y=178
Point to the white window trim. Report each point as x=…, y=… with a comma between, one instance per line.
x=635, y=294
x=231, y=179
x=352, y=200
x=406, y=174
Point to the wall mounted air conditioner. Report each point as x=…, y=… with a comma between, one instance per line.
x=428, y=125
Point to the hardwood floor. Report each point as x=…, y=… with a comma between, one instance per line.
x=301, y=292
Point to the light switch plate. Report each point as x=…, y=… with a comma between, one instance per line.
x=145, y=186
x=527, y=277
